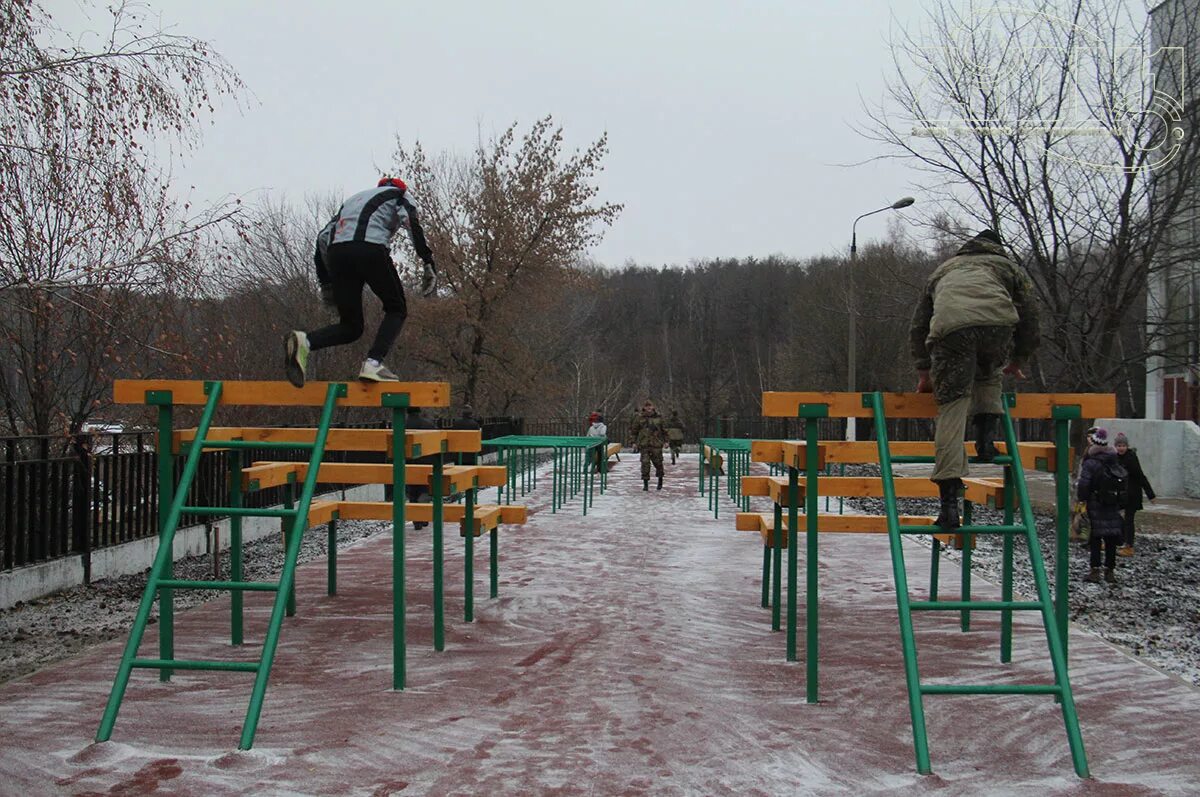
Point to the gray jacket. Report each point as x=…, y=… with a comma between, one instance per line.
x=375, y=215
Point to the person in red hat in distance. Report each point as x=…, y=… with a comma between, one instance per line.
x=359, y=254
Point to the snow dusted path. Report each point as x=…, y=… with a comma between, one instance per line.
x=627, y=654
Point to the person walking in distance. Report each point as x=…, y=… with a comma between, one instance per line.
x=675, y=435
x=598, y=428
x=358, y=254
x=977, y=318
x=1138, y=484
x=650, y=435
x=1102, y=483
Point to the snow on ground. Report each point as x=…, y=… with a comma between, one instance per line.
x=627, y=654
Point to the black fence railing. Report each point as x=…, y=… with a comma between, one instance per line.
x=61, y=496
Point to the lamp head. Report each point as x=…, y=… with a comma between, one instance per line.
x=902, y=202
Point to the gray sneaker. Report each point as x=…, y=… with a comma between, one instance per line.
x=370, y=372
x=295, y=347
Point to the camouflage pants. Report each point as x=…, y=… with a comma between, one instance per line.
x=966, y=371
x=652, y=455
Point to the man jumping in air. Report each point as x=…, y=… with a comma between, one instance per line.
x=358, y=255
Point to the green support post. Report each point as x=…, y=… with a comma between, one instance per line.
x=793, y=524
x=469, y=557
x=936, y=554
x=494, y=564
x=331, y=559
x=777, y=565
x=965, y=573
x=766, y=576
x=1006, y=572
x=398, y=403
x=164, y=556
x=287, y=580
x=907, y=641
x=1054, y=639
x=289, y=503
x=810, y=413
x=166, y=497
x=1062, y=486
x=439, y=620
x=236, y=613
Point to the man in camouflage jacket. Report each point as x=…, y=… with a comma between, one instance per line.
x=976, y=320
x=649, y=434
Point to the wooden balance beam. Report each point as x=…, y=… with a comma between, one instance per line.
x=1035, y=456
x=978, y=491
x=921, y=405
x=613, y=450
x=417, y=442
x=764, y=524
x=455, y=478
x=281, y=394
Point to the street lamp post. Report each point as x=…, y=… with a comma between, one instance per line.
x=903, y=202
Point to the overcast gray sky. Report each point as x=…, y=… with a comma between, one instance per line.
x=727, y=121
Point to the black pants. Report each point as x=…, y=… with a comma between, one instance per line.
x=352, y=265
x=1127, y=524
x=1110, y=550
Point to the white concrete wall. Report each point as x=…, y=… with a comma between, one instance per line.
x=35, y=581
x=1168, y=450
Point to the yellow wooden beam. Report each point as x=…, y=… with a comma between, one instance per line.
x=1034, y=456
x=921, y=405
x=431, y=441
x=282, y=394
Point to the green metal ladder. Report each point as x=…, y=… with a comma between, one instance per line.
x=1015, y=484
x=161, y=585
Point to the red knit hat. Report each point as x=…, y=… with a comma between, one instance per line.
x=392, y=181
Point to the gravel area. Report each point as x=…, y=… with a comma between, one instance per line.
x=49, y=629
x=1153, y=610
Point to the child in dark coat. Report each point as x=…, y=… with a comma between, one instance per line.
x=1106, y=523
x=1138, y=484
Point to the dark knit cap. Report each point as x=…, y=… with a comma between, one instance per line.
x=989, y=235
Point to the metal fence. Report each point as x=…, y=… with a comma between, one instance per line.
x=61, y=496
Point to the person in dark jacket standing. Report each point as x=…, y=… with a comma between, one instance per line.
x=977, y=318
x=1138, y=483
x=1105, y=520
x=358, y=254
x=467, y=420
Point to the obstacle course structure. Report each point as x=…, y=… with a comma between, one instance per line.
x=300, y=510
x=805, y=460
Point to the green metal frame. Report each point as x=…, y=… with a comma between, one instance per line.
x=572, y=471
x=161, y=584
x=1015, y=480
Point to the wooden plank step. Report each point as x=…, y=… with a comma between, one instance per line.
x=1035, y=456
x=281, y=394
x=418, y=442
x=455, y=478
x=778, y=404
x=979, y=491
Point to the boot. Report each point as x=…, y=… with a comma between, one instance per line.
x=985, y=435
x=645, y=485
x=1125, y=550
x=659, y=487
x=1093, y=577
x=948, y=519
x=1110, y=575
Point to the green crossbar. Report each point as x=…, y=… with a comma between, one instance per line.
x=279, y=445
x=967, y=529
x=254, y=586
x=185, y=664
x=160, y=584
x=1015, y=479
x=238, y=511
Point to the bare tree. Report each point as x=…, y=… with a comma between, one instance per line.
x=507, y=227
x=92, y=244
x=1044, y=122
